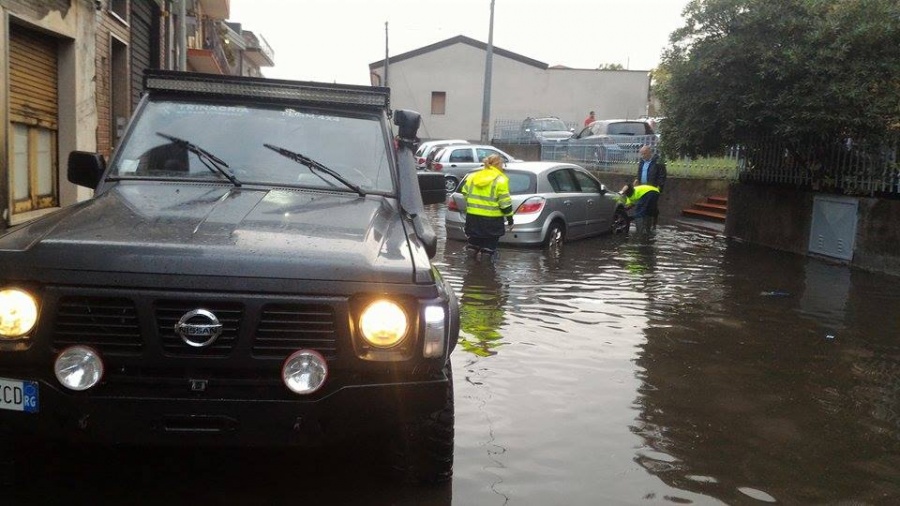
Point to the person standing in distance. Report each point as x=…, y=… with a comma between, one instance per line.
x=650, y=171
x=590, y=119
x=488, y=207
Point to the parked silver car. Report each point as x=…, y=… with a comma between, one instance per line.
x=611, y=141
x=458, y=160
x=554, y=202
x=429, y=147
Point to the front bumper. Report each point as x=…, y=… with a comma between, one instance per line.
x=224, y=421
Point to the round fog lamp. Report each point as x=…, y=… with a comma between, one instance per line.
x=304, y=371
x=78, y=368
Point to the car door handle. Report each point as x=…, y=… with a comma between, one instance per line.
x=567, y=202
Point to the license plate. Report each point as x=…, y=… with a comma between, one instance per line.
x=18, y=395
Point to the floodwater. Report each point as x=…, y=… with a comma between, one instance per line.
x=680, y=368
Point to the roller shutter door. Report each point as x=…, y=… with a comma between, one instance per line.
x=33, y=82
x=144, y=45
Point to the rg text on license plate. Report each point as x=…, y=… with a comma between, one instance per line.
x=18, y=395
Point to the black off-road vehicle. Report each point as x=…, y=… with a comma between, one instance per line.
x=252, y=270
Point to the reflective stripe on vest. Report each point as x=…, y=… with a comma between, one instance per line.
x=489, y=203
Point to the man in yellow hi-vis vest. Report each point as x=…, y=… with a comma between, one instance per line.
x=488, y=206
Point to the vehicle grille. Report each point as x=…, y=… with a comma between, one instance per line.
x=109, y=324
x=271, y=330
x=284, y=328
x=168, y=312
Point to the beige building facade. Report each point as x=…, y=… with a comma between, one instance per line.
x=445, y=83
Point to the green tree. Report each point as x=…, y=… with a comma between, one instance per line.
x=611, y=66
x=799, y=70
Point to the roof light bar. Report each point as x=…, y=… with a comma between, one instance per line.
x=309, y=92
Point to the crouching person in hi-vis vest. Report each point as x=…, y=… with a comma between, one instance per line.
x=488, y=207
x=641, y=201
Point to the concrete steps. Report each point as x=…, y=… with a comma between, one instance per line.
x=713, y=209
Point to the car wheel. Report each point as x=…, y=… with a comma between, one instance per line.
x=620, y=222
x=450, y=183
x=423, y=449
x=556, y=236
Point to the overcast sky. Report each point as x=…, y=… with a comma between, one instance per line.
x=336, y=40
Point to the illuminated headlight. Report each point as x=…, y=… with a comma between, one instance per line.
x=18, y=313
x=304, y=371
x=435, y=318
x=78, y=368
x=383, y=324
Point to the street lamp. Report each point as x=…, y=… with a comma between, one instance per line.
x=486, y=103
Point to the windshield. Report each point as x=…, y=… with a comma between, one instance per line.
x=354, y=147
x=548, y=125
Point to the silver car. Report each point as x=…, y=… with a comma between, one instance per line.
x=554, y=202
x=457, y=161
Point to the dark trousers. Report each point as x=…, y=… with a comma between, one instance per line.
x=484, y=232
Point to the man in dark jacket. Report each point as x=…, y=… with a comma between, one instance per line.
x=650, y=171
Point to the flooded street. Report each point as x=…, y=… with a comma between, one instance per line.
x=676, y=369
x=680, y=368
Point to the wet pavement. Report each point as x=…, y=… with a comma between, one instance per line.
x=680, y=368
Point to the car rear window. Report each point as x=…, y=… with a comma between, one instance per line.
x=521, y=183
x=630, y=128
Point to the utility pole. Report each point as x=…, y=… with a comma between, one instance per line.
x=486, y=103
x=386, y=53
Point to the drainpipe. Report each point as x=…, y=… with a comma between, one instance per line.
x=181, y=35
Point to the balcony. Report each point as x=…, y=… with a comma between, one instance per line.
x=216, y=9
x=257, y=50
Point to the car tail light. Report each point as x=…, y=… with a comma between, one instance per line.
x=451, y=205
x=531, y=206
x=421, y=161
x=437, y=166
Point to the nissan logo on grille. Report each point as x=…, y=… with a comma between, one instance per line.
x=198, y=328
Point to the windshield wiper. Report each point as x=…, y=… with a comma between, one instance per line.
x=312, y=164
x=212, y=162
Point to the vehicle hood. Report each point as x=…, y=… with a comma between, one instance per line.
x=554, y=134
x=215, y=230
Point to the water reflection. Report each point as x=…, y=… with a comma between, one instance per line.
x=678, y=367
x=483, y=306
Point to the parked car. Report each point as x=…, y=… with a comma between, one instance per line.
x=429, y=147
x=611, y=141
x=242, y=276
x=456, y=161
x=553, y=202
x=549, y=129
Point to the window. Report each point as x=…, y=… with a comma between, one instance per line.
x=562, y=181
x=461, y=155
x=587, y=183
x=33, y=166
x=438, y=102
x=482, y=153
x=520, y=183
x=119, y=8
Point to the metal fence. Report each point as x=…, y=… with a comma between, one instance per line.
x=846, y=168
x=510, y=131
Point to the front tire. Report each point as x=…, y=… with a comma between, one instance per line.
x=620, y=222
x=450, y=183
x=423, y=450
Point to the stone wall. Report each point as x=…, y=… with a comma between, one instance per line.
x=781, y=217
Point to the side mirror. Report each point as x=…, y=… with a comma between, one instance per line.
x=86, y=169
x=432, y=187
